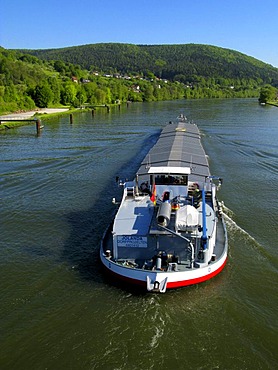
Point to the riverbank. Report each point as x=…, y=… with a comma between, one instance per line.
x=27, y=115
x=274, y=103
x=25, y=118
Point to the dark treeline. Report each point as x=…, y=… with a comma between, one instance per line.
x=116, y=73
x=174, y=62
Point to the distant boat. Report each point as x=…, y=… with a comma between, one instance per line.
x=169, y=231
x=181, y=118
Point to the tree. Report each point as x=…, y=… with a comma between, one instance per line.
x=100, y=96
x=10, y=93
x=148, y=90
x=68, y=93
x=60, y=66
x=43, y=95
x=55, y=86
x=80, y=98
x=267, y=93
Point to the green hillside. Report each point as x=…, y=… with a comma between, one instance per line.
x=115, y=73
x=27, y=82
x=175, y=62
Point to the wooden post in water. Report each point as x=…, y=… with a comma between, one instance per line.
x=93, y=112
x=119, y=106
x=71, y=118
x=38, y=126
x=108, y=108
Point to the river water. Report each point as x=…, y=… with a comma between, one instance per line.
x=58, y=309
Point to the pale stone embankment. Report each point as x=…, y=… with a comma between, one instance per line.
x=30, y=114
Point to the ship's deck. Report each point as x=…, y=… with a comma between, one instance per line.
x=138, y=257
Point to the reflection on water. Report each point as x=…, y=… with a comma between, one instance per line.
x=59, y=310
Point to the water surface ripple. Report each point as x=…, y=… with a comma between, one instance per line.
x=58, y=309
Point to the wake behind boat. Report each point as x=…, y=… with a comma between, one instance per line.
x=168, y=231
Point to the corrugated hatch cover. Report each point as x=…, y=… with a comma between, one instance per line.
x=179, y=145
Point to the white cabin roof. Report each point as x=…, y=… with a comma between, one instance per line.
x=170, y=170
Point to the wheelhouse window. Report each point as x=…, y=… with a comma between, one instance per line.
x=171, y=180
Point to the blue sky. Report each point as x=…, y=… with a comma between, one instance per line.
x=248, y=26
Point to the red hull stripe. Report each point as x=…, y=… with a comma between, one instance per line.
x=178, y=284
x=174, y=284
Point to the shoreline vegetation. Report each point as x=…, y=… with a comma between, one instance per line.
x=274, y=103
x=18, y=119
x=108, y=75
x=24, y=118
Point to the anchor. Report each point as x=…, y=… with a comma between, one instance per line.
x=157, y=286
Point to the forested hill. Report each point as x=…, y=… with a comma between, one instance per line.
x=174, y=62
x=116, y=73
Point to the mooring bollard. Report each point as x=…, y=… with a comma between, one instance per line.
x=38, y=126
x=71, y=118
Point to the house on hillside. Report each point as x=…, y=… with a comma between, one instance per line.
x=136, y=88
